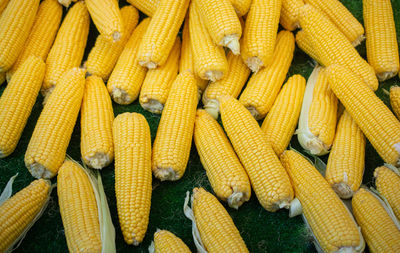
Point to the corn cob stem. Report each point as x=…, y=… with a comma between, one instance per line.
x=387, y=182
x=165, y=242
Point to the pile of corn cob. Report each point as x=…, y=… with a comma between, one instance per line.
x=221, y=43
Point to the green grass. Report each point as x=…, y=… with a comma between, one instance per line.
x=261, y=230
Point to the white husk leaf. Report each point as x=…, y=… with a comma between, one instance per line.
x=7, y=192
x=152, y=248
x=295, y=208
x=385, y=205
x=393, y=168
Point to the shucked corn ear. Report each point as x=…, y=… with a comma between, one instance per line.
x=332, y=46
x=230, y=85
x=171, y=148
x=17, y=101
x=159, y=38
x=339, y=15
x=127, y=77
x=380, y=231
x=107, y=18
x=212, y=228
x=20, y=211
x=166, y=242
x=330, y=221
x=157, y=83
x=15, y=23
x=305, y=45
x=387, y=183
x=395, y=100
x=42, y=35
x=267, y=176
x=382, y=47
x=345, y=168
x=97, y=117
x=105, y=53
x=281, y=121
x=209, y=60
x=3, y=5
x=260, y=33
x=48, y=144
x=288, y=18
x=148, y=7
x=263, y=87
x=375, y=120
x=132, y=174
x=69, y=46
x=318, y=116
x=224, y=170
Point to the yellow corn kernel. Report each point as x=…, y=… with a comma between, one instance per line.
x=395, y=100
x=3, y=5
x=175, y=129
x=148, y=7
x=281, y=121
x=209, y=60
x=105, y=53
x=167, y=242
x=15, y=24
x=222, y=23
x=157, y=83
x=345, y=168
x=132, y=174
x=305, y=45
x=332, y=46
x=375, y=120
x=267, y=176
x=231, y=85
x=340, y=16
x=159, y=38
x=387, y=183
x=78, y=208
x=288, y=18
x=66, y=3
x=380, y=29
x=318, y=115
x=17, y=101
x=42, y=35
x=20, y=210
x=97, y=117
x=263, y=87
x=69, y=46
x=217, y=155
x=127, y=77
x=378, y=228
x=330, y=221
x=48, y=144
x=260, y=33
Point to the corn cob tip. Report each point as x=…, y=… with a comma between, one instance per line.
x=253, y=111
x=214, y=75
x=167, y=174
x=151, y=105
x=381, y=76
x=149, y=65
x=313, y=144
x=343, y=190
x=358, y=41
x=98, y=160
x=37, y=170
x=116, y=36
x=212, y=107
x=120, y=96
x=254, y=63
x=65, y=3
x=232, y=42
x=237, y=198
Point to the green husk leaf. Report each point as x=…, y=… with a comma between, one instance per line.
x=385, y=205
x=320, y=165
x=7, y=192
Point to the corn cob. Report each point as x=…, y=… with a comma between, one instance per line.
x=66, y=3
x=260, y=33
x=340, y=16
x=97, y=117
x=20, y=211
x=230, y=85
x=105, y=53
x=267, y=176
x=78, y=209
x=375, y=120
x=69, y=46
x=217, y=155
x=395, y=100
x=148, y=7
x=17, y=101
x=387, y=183
x=305, y=45
x=281, y=121
x=378, y=228
x=42, y=35
x=330, y=221
x=159, y=38
x=3, y=5
x=48, y=144
x=382, y=47
x=209, y=60
x=132, y=174
x=345, y=167
x=15, y=23
x=263, y=87
x=212, y=225
x=157, y=83
x=288, y=18
x=222, y=23
x=318, y=115
x=166, y=242
x=332, y=46
x=127, y=77
x=171, y=148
